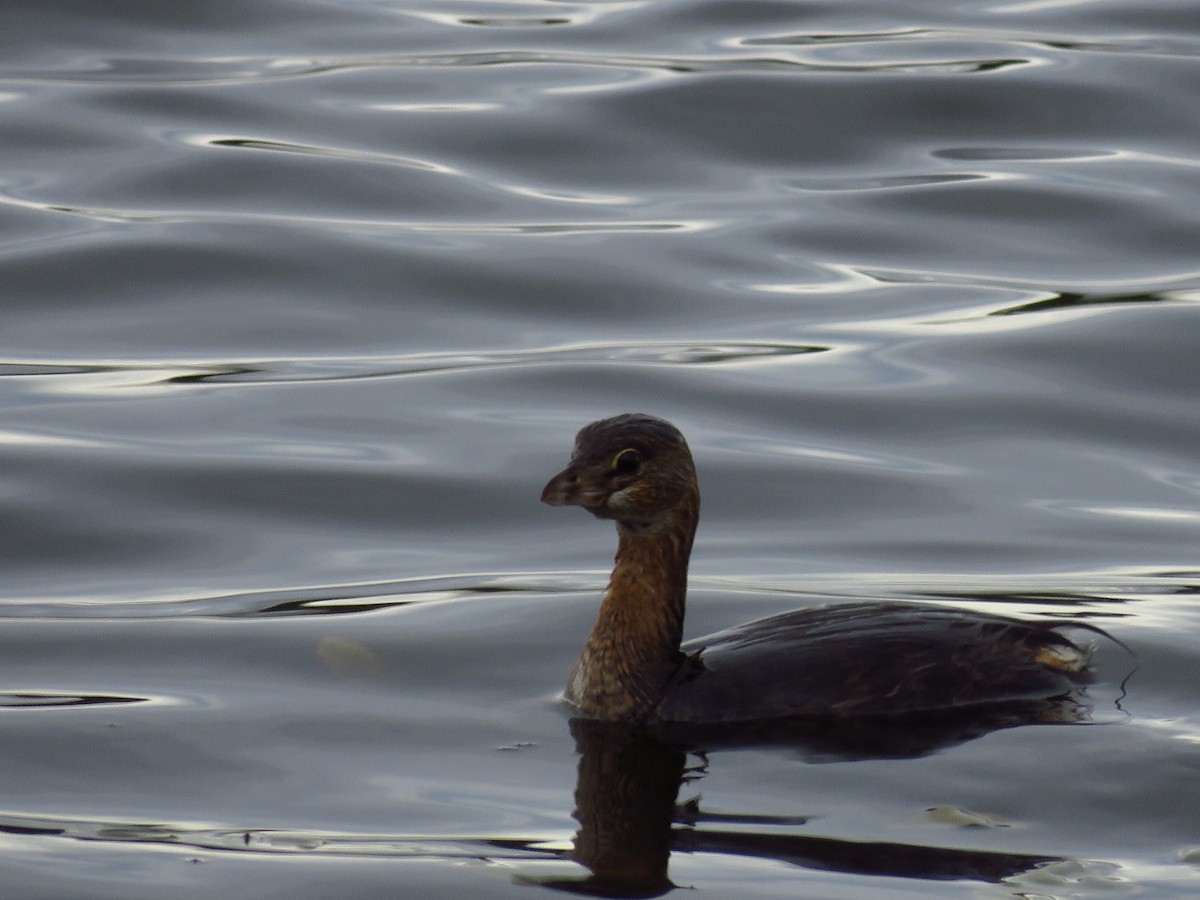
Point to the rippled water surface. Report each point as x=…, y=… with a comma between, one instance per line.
x=304, y=301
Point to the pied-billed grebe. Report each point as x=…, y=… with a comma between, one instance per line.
x=851, y=659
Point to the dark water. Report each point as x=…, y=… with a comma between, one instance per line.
x=303, y=302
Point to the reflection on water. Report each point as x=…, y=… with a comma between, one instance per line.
x=630, y=822
x=630, y=819
x=625, y=804
x=634, y=828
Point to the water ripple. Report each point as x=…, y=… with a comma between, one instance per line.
x=321, y=600
x=1078, y=299
x=104, y=378
x=59, y=700
x=1105, y=594
x=259, y=840
x=1183, y=288
x=175, y=73
x=369, y=225
x=1134, y=45
x=328, y=152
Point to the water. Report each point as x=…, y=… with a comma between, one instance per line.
x=304, y=301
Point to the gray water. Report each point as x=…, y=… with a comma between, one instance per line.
x=304, y=301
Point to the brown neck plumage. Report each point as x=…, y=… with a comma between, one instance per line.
x=633, y=649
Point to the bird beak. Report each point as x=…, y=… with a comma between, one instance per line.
x=562, y=489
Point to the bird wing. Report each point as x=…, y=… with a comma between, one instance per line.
x=858, y=659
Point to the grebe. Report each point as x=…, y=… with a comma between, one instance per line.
x=842, y=660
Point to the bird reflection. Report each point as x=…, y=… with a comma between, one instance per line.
x=625, y=805
x=630, y=821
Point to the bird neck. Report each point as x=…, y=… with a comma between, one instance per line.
x=633, y=649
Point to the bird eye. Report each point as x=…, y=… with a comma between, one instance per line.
x=627, y=461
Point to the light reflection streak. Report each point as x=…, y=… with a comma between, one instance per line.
x=1031, y=308
x=109, y=377
x=1176, y=728
x=434, y=107
x=1164, y=600
x=570, y=196
x=1145, y=513
x=29, y=439
x=573, y=14
x=547, y=228
x=271, y=145
x=841, y=279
